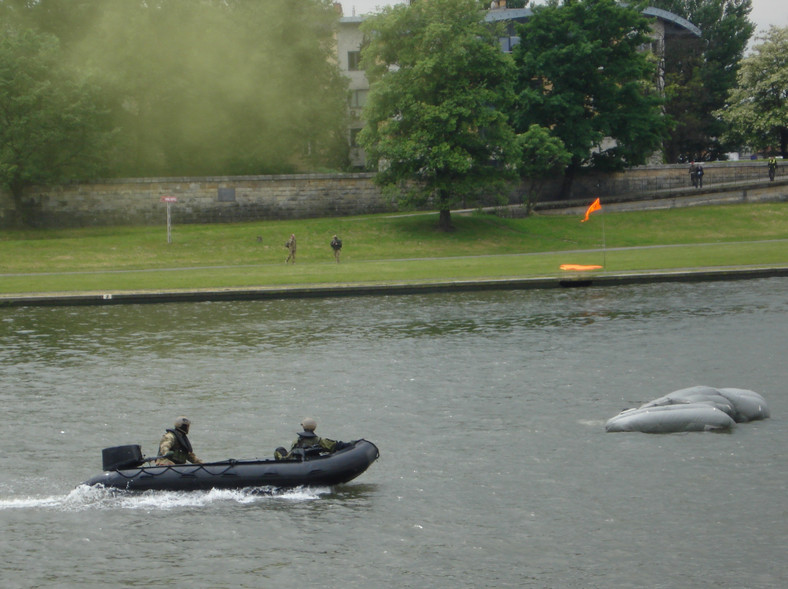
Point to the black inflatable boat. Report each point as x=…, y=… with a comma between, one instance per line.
x=124, y=469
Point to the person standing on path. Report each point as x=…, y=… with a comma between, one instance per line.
x=291, y=248
x=693, y=170
x=772, y=167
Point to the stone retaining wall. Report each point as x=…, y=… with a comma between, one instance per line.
x=646, y=179
x=204, y=200
x=251, y=198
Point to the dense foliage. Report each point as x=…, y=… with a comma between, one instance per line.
x=542, y=155
x=52, y=126
x=699, y=73
x=757, y=110
x=582, y=74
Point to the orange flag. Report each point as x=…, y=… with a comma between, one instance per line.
x=595, y=206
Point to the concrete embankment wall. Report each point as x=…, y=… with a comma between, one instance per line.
x=251, y=198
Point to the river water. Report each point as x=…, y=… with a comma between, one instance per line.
x=489, y=412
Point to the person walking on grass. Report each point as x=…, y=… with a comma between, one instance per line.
x=336, y=245
x=291, y=248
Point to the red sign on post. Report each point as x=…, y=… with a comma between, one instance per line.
x=169, y=199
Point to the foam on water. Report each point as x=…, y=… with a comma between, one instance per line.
x=85, y=498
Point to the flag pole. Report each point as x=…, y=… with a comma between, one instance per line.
x=604, y=243
x=597, y=206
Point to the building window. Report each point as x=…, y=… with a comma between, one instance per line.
x=353, y=61
x=508, y=43
x=358, y=98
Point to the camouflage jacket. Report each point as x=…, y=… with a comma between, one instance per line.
x=179, y=445
x=310, y=440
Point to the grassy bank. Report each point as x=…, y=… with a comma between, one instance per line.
x=385, y=248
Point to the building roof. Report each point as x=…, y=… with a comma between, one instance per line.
x=673, y=18
x=521, y=14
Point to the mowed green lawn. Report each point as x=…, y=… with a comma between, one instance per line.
x=383, y=249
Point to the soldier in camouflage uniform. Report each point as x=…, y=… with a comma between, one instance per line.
x=291, y=247
x=309, y=440
x=175, y=447
x=336, y=245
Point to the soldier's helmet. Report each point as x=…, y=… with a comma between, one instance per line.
x=309, y=424
x=182, y=423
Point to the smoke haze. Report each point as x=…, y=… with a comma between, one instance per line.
x=208, y=87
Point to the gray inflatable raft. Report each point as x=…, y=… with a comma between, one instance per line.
x=698, y=408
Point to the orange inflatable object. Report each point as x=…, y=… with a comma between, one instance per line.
x=579, y=267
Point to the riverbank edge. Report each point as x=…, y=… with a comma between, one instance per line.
x=567, y=280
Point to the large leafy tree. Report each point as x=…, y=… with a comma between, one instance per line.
x=581, y=73
x=757, y=110
x=699, y=73
x=436, y=127
x=52, y=125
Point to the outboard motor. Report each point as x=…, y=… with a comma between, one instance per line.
x=121, y=457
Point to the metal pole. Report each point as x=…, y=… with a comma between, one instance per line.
x=169, y=224
x=604, y=244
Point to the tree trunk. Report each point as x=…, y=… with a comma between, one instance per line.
x=533, y=195
x=569, y=177
x=784, y=142
x=24, y=210
x=444, y=220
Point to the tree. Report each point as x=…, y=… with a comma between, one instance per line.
x=542, y=156
x=52, y=125
x=436, y=126
x=757, y=111
x=699, y=73
x=581, y=73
